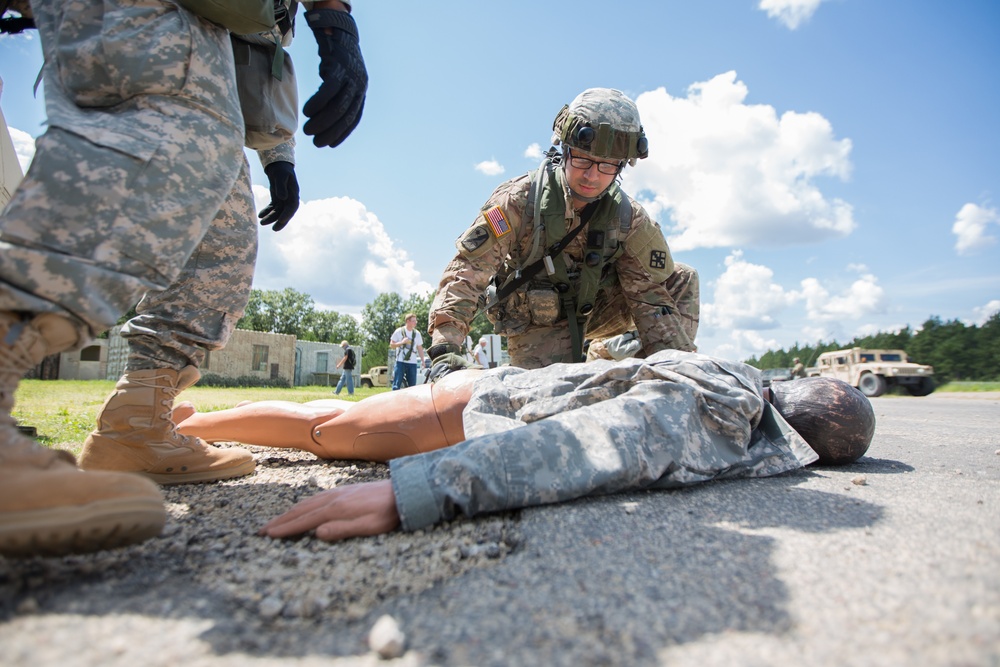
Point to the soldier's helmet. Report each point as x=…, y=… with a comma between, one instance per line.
x=603, y=122
x=835, y=419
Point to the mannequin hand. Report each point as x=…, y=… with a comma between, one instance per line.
x=337, y=514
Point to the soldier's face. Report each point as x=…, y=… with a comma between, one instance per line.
x=589, y=182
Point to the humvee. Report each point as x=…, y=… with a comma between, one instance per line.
x=874, y=371
x=377, y=376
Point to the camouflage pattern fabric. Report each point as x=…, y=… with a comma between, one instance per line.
x=143, y=147
x=199, y=311
x=636, y=300
x=573, y=430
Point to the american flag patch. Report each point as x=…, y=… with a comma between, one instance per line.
x=497, y=220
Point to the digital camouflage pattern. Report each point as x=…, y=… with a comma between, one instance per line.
x=573, y=430
x=199, y=310
x=143, y=146
x=652, y=294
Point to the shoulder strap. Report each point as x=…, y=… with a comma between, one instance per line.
x=625, y=215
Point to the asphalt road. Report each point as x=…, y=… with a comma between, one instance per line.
x=894, y=560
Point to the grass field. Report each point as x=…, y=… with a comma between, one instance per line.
x=65, y=411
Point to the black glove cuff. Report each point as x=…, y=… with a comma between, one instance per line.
x=279, y=166
x=319, y=19
x=435, y=351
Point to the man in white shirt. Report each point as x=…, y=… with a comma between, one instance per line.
x=482, y=356
x=405, y=341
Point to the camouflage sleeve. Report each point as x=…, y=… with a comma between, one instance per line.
x=281, y=153
x=481, y=250
x=573, y=430
x=643, y=270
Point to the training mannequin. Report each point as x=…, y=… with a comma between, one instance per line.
x=827, y=413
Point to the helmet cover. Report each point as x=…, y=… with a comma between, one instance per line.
x=602, y=122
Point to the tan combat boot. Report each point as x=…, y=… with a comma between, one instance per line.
x=135, y=433
x=48, y=507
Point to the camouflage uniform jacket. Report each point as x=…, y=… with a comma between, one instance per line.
x=484, y=248
x=572, y=430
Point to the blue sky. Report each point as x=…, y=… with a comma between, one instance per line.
x=830, y=167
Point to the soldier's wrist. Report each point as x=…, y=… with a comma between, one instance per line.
x=435, y=351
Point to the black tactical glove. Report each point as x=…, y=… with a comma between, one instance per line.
x=446, y=363
x=284, y=195
x=435, y=351
x=335, y=110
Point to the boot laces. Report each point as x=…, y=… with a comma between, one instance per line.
x=167, y=402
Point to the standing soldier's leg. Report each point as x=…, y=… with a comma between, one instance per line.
x=143, y=144
x=167, y=341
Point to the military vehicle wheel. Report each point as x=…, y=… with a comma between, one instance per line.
x=366, y=383
x=922, y=388
x=871, y=385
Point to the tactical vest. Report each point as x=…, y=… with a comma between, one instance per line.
x=606, y=230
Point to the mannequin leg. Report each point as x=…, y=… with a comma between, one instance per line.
x=281, y=424
x=379, y=428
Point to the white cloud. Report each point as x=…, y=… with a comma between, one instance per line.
x=862, y=298
x=792, y=13
x=746, y=297
x=490, y=168
x=534, y=151
x=24, y=147
x=970, y=228
x=747, y=303
x=331, y=250
x=727, y=173
x=984, y=313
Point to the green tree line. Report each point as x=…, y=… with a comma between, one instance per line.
x=957, y=351
x=289, y=311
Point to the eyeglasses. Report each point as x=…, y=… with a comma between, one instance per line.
x=582, y=163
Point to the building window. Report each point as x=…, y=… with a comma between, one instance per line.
x=322, y=362
x=91, y=353
x=259, y=362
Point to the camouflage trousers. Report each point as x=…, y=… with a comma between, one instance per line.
x=541, y=346
x=144, y=145
x=199, y=311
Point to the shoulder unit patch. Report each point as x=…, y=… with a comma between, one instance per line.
x=657, y=259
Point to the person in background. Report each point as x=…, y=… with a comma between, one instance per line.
x=405, y=340
x=482, y=356
x=346, y=364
